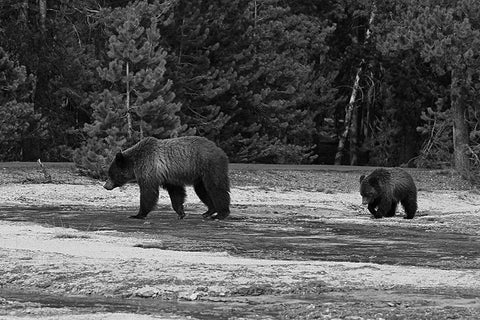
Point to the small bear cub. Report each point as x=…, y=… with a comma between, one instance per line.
x=383, y=189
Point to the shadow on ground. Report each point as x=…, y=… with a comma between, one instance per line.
x=277, y=234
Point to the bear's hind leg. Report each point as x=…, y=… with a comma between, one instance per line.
x=221, y=201
x=220, y=196
x=205, y=198
x=410, y=206
x=177, y=197
x=148, y=200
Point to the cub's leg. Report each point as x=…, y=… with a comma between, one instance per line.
x=393, y=210
x=410, y=206
x=384, y=207
x=372, y=207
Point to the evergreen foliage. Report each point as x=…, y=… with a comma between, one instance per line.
x=445, y=37
x=18, y=119
x=267, y=80
x=437, y=129
x=201, y=37
x=279, y=88
x=139, y=101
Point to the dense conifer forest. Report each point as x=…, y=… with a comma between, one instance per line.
x=383, y=83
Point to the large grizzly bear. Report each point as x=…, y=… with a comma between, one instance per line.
x=172, y=164
x=384, y=188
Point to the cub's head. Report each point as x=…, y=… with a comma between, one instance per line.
x=369, y=189
x=120, y=172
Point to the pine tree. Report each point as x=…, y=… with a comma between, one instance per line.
x=18, y=119
x=279, y=88
x=137, y=100
x=202, y=37
x=446, y=37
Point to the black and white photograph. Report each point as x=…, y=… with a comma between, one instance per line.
x=239, y=160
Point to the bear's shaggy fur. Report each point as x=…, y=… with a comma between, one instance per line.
x=172, y=164
x=384, y=188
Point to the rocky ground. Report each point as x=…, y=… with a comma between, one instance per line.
x=298, y=245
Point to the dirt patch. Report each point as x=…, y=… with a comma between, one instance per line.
x=297, y=246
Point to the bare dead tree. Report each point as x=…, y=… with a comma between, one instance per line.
x=42, y=8
x=127, y=102
x=46, y=174
x=349, y=109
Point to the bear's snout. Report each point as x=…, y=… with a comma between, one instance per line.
x=109, y=185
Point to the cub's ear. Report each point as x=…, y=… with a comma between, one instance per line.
x=120, y=159
x=374, y=181
x=362, y=177
x=119, y=156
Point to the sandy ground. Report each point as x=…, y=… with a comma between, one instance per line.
x=108, y=264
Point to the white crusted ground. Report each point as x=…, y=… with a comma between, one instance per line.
x=108, y=264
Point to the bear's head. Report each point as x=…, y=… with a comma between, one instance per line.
x=120, y=172
x=369, y=189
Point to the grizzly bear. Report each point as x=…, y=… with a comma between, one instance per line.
x=384, y=188
x=172, y=164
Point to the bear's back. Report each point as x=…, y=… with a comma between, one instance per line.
x=402, y=183
x=395, y=181
x=391, y=180
x=177, y=160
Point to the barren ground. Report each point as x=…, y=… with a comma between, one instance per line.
x=298, y=245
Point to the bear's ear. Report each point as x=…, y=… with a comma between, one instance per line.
x=120, y=159
x=362, y=177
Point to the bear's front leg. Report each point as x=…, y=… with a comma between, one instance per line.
x=148, y=200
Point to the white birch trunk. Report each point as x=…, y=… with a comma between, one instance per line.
x=351, y=103
x=127, y=102
x=42, y=8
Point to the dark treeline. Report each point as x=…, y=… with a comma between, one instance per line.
x=384, y=83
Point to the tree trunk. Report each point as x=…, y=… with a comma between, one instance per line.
x=348, y=118
x=351, y=104
x=23, y=15
x=354, y=137
x=460, y=128
x=255, y=15
x=42, y=8
x=127, y=102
